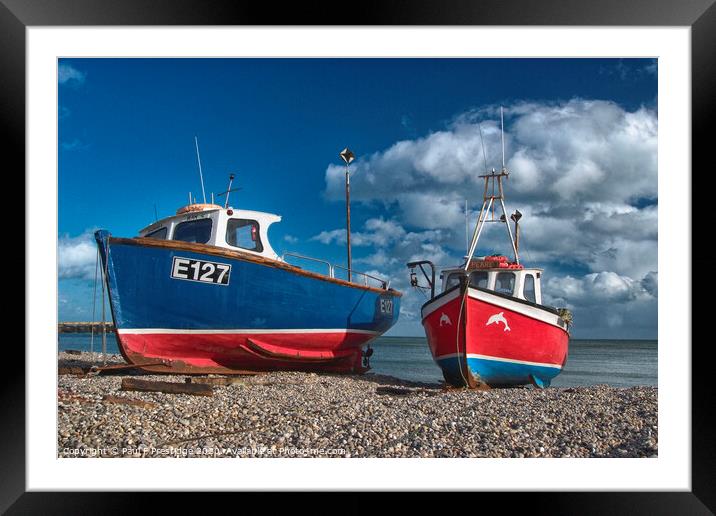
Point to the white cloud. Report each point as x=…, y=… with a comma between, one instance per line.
x=579, y=150
x=290, y=239
x=75, y=144
x=606, y=305
x=599, y=288
x=650, y=283
x=77, y=256
x=652, y=68
x=67, y=74
x=377, y=232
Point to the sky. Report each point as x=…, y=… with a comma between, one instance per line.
x=580, y=146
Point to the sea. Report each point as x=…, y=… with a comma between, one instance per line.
x=618, y=363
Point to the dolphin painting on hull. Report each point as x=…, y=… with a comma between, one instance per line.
x=498, y=318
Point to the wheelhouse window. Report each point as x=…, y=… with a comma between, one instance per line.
x=529, y=288
x=244, y=234
x=505, y=283
x=478, y=279
x=193, y=231
x=160, y=233
x=452, y=280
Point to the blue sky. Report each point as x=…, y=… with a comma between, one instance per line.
x=126, y=144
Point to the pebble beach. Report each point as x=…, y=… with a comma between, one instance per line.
x=296, y=414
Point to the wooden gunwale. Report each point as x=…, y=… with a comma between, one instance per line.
x=238, y=255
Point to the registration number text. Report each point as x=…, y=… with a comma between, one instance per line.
x=200, y=270
x=386, y=306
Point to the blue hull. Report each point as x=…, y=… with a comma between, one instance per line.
x=258, y=296
x=280, y=308
x=497, y=372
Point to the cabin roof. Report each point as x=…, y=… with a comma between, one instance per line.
x=260, y=216
x=490, y=269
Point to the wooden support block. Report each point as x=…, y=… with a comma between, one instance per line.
x=220, y=380
x=133, y=384
x=76, y=370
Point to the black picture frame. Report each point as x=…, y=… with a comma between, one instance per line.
x=699, y=15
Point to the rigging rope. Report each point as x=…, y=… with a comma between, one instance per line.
x=457, y=337
x=94, y=300
x=104, y=326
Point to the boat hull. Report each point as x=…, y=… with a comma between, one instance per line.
x=264, y=315
x=480, y=337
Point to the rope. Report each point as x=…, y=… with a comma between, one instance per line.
x=457, y=336
x=104, y=326
x=422, y=291
x=94, y=300
x=526, y=250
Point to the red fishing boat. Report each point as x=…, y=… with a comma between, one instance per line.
x=488, y=325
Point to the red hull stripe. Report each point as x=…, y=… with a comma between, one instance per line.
x=242, y=351
x=499, y=359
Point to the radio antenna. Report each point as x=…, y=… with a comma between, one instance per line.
x=502, y=131
x=482, y=141
x=198, y=159
x=228, y=190
x=467, y=225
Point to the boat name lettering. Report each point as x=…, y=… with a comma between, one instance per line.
x=386, y=306
x=200, y=270
x=194, y=216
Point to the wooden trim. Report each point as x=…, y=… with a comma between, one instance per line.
x=246, y=257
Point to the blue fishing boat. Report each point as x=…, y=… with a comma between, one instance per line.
x=203, y=291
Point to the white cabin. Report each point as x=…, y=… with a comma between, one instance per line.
x=211, y=224
x=519, y=283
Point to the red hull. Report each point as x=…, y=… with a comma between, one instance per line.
x=496, y=339
x=231, y=352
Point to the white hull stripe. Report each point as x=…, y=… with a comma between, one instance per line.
x=498, y=359
x=149, y=331
x=428, y=309
x=520, y=308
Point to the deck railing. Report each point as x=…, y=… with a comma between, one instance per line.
x=331, y=268
x=302, y=257
x=383, y=284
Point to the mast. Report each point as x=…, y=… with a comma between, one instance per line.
x=347, y=156
x=502, y=132
x=490, y=201
x=467, y=229
x=201, y=175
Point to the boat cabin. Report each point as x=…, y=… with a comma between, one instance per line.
x=509, y=279
x=245, y=231
x=211, y=224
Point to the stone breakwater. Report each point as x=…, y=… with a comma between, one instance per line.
x=289, y=414
x=84, y=327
